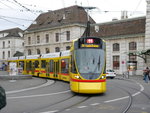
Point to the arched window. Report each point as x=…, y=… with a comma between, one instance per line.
x=3, y=55
x=57, y=49
x=29, y=52
x=116, y=47
x=47, y=50
x=132, y=46
x=38, y=51
x=3, y=44
x=8, y=54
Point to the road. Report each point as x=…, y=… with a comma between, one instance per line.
x=52, y=96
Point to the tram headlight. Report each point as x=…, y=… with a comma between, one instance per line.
x=102, y=77
x=76, y=76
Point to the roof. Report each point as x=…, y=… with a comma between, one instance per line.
x=14, y=32
x=129, y=27
x=65, y=16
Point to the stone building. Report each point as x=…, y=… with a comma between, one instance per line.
x=123, y=37
x=147, y=33
x=53, y=31
x=11, y=42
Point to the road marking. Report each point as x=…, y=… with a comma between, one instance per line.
x=49, y=82
x=116, y=99
x=81, y=106
x=137, y=93
x=94, y=104
x=50, y=111
x=40, y=95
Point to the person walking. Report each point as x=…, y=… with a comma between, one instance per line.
x=146, y=74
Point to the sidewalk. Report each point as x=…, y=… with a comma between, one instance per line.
x=4, y=75
x=135, y=77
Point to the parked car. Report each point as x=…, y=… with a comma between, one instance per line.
x=2, y=98
x=110, y=73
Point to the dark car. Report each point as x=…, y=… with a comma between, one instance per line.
x=2, y=98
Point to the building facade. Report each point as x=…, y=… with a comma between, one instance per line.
x=53, y=31
x=11, y=42
x=122, y=38
x=147, y=32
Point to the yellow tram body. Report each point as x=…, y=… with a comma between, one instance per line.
x=68, y=65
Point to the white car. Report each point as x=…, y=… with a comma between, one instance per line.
x=110, y=73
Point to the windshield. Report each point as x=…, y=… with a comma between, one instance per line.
x=90, y=62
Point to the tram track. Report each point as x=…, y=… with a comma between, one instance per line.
x=132, y=95
x=129, y=104
x=65, y=104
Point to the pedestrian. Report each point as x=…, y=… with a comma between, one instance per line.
x=146, y=74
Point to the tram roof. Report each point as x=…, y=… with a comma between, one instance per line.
x=51, y=55
x=13, y=58
x=32, y=56
x=65, y=53
x=22, y=57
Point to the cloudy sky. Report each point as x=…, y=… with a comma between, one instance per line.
x=21, y=13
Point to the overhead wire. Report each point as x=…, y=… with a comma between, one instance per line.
x=12, y=22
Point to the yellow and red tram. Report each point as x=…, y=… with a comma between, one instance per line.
x=83, y=65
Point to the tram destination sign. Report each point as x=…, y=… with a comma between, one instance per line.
x=90, y=45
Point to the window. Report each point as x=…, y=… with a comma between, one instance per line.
x=8, y=43
x=73, y=67
x=3, y=55
x=8, y=54
x=116, y=62
x=38, y=51
x=43, y=63
x=57, y=49
x=68, y=35
x=29, y=52
x=132, y=58
x=57, y=37
x=3, y=44
x=116, y=47
x=47, y=50
x=29, y=40
x=65, y=66
x=67, y=47
x=38, y=39
x=51, y=64
x=132, y=46
x=47, y=38
x=36, y=64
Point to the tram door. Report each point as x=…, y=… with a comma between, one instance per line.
x=29, y=68
x=56, y=69
x=47, y=68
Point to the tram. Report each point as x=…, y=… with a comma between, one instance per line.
x=83, y=65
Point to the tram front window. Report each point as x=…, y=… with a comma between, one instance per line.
x=90, y=62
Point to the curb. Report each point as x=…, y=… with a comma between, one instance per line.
x=15, y=77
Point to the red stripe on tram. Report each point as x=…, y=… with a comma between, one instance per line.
x=77, y=80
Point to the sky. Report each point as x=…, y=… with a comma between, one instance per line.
x=21, y=13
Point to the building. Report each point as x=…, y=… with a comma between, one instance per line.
x=123, y=37
x=11, y=42
x=53, y=31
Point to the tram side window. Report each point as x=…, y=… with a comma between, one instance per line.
x=73, y=68
x=21, y=64
x=29, y=65
x=51, y=64
x=36, y=64
x=43, y=64
x=65, y=66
